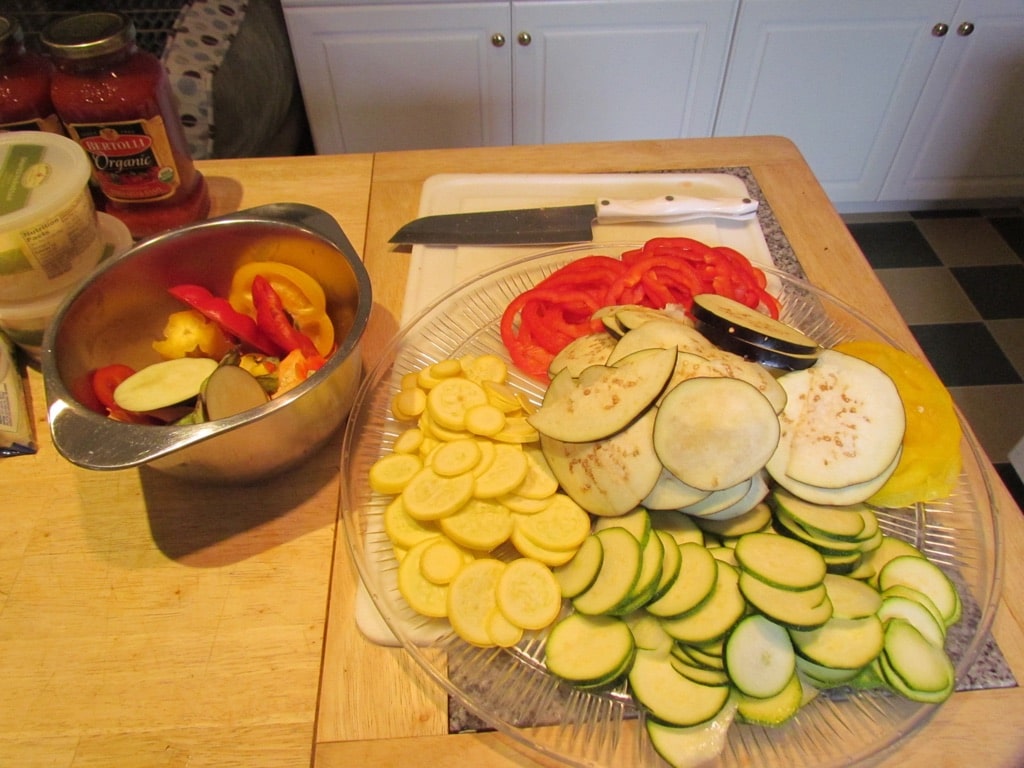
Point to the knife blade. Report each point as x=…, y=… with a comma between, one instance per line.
x=565, y=223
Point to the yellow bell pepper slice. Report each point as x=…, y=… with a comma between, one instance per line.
x=189, y=334
x=302, y=296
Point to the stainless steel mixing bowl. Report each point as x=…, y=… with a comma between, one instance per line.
x=122, y=308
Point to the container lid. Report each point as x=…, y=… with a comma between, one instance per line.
x=86, y=35
x=39, y=173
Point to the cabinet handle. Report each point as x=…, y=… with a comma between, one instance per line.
x=524, y=38
x=965, y=28
x=940, y=29
x=497, y=39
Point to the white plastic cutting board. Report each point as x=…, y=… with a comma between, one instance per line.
x=436, y=269
x=433, y=270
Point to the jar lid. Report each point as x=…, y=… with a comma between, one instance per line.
x=40, y=173
x=87, y=35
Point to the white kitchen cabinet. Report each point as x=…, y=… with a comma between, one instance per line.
x=412, y=76
x=595, y=70
x=419, y=75
x=966, y=136
x=840, y=78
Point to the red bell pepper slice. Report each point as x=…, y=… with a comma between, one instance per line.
x=233, y=322
x=539, y=322
x=273, y=320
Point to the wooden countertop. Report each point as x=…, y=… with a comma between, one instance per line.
x=145, y=623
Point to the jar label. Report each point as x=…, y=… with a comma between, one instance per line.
x=132, y=161
x=50, y=124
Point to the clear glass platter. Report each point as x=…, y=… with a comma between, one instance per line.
x=510, y=689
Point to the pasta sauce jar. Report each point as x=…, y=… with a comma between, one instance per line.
x=115, y=100
x=24, y=84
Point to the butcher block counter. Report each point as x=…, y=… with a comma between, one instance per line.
x=148, y=623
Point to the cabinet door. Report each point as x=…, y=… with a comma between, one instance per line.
x=595, y=70
x=417, y=76
x=966, y=137
x=839, y=78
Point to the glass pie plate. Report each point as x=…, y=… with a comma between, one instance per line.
x=510, y=690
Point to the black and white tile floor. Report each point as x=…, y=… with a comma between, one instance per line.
x=957, y=276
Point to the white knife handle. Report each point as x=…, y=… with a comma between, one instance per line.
x=673, y=208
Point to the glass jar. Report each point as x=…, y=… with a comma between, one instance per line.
x=24, y=84
x=115, y=100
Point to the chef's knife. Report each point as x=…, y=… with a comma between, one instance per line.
x=565, y=224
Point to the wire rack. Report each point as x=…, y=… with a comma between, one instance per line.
x=153, y=18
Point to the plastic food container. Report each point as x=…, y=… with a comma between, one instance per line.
x=25, y=322
x=49, y=231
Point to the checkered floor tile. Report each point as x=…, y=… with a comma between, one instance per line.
x=958, y=278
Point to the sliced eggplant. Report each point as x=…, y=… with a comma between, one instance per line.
x=713, y=433
x=756, y=353
x=741, y=321
x=605, y=399
x=842, y=426
x=230, y=390
x=578, y=354
x=607, y=477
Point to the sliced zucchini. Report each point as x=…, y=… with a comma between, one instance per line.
x=915, y=667
x=680, y=526
x=697, y=673
x=671, y=564
x=844, y=523
x=743, y=322
x=687, y=747
x=713, y=433
x=670, y=698
x=926, y=577
x=589, y=650
x=780, y=561
x=841, y=643
x=716, y=615
x=164, y=384
x=693, y=588
x=822, y=676
x=851, y=598
x=772, y=710
x=648, y=633
x=759, y=657
x=699, y=657
x=575, y=576
x=796, y=609
x=652, y=557
x=889, y=548
x=637, y=521
x=786, y=525
x=900, y=590
x=914, y=612
x=619, y=572
x=605, y=398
